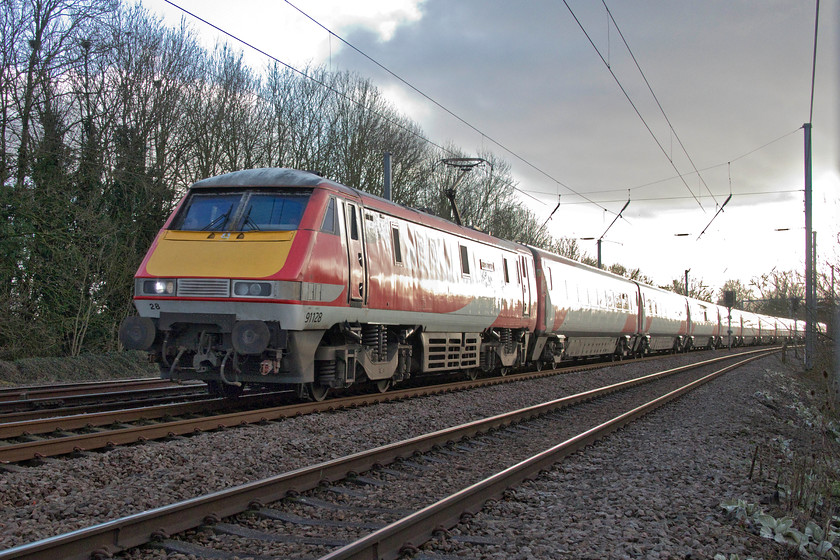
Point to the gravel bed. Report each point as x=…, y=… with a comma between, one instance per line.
x=66, y=494
x=653, y=490
x=413, y=484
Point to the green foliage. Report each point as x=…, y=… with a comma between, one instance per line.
x=813, y=542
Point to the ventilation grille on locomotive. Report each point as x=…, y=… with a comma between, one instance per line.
x=448, y=351
x=204, y=287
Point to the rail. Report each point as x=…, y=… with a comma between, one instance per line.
x=111, y=537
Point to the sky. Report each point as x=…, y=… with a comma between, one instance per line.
x=544, y=84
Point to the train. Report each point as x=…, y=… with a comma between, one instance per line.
x=280, y=277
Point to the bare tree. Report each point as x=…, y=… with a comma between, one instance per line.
x=743, y=293
x=777, y=292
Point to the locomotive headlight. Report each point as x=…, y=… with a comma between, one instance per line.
x=159, y=287
x=245, y=288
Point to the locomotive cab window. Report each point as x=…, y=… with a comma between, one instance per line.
x=242, y=210
x=505, y=268
x=329, y=225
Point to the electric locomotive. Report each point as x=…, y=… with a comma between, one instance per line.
x=281, y=277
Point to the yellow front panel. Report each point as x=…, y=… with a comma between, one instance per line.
x=253, y=254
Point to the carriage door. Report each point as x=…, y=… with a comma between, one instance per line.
x=355, y=253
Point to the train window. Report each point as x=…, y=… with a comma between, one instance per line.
x=505, y=268
x=465, y=261
x=208, y=212
x=354, y=223
x=550, y=280
x=328, y=225
x=273, y=211
x=242, y=210
x=395, y=238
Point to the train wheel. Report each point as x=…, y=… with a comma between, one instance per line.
x=314, y=391
x=503, y=371
x=472, y=373
x=383, y=385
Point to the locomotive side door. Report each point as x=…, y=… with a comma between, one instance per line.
x=526, y=287
x=357, y=286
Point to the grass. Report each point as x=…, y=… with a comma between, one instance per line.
x=87, y=367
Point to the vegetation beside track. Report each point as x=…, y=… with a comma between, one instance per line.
x=87, y=367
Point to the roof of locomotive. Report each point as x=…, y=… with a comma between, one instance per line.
x=265, y=177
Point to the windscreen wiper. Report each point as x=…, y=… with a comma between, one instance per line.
x=219, y=220
x=248, y=221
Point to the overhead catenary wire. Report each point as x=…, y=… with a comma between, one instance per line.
x=655, y=98
x=358, y=104
x=527, y=192
x=627, y=95
x=443, y=108
x=304, y=75
x=707, y=168
x=686, y=197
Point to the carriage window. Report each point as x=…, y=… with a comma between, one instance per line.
x=328, y=225
x=395, y=238
x=505, y=268
x=550, y=280
x=465, y=262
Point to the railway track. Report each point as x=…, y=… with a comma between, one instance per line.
x=328, y=508
x=37, y=438
x=62, y=390
x=43, y=402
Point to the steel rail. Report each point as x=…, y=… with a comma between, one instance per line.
x=39, y=414
x=75, y=443
x=114, y=536
x=414, y=530
x=7, y=407
x=79, y=388
x=18, y=428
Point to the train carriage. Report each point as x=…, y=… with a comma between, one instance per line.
x=750, y=328
x=705, y=326
x=584, y=311
x=737, y=327
x=664, y=321
x=768, y=329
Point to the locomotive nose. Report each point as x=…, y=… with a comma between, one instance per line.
x=250, y=337
x=137, y=333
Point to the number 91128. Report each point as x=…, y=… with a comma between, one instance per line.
x=313, y=317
